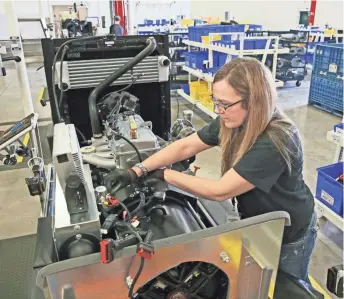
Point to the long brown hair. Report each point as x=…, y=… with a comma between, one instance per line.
x=255, y=84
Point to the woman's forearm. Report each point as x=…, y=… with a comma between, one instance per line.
x=231, y=184
x=175, y=152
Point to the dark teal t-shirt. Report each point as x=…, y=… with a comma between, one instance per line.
x=275, y=188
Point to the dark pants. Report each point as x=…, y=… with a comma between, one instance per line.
x=295, y=257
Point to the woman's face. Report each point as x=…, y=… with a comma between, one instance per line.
x=224, y=95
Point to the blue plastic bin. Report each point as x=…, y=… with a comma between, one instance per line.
x=248, y=44
x=254, y=27
x=187, y=59
x=338, y=127
x=329, y=191
x=149, y=22
x=325, y=57
x=261, y=43
x=186, y=88
x=197, y=59
x=222, y=59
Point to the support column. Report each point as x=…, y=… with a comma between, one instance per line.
x=8, y=10
x=312, y=12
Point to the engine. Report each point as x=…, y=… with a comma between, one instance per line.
x=127, y=138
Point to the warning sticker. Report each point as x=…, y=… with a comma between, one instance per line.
x=332, y=68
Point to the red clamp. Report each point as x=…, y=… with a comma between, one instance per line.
x=106, y=252
x=111, y=201
x=145, y=250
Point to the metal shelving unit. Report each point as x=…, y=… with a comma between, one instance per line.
x=198, y=105
x=242, y=52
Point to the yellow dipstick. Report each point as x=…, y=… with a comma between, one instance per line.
x=133, y=127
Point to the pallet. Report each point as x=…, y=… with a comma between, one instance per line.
x=326, y=108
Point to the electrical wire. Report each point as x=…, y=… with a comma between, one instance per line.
x=139, y=271
x=132, y=145
x=81, y=134
x=54, y=68
x=125, y=208
x=177, y=107
x=131, y=84
x=64, y=51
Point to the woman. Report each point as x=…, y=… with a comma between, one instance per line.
x=261, y=159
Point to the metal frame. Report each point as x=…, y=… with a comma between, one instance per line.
x=159, y=105
x=252, y=245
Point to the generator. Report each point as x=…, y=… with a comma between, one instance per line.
x=110, y=104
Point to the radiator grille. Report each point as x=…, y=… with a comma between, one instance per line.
x=89, y=73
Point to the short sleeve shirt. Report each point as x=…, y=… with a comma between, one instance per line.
x=275, y=188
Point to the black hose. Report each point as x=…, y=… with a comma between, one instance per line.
x=64, y=51
x=139, y=271
x=92, y=100
x=132, y=145
x=15, y=58
x=54, y=68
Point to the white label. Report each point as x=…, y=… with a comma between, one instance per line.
x=327, y=197
x=136, y=223
x=332, y=68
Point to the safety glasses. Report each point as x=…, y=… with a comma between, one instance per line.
x=222, y=108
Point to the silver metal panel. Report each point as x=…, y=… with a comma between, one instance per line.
x=89, y=224
x=89, y=73
x=67, y=159
x=239, y=240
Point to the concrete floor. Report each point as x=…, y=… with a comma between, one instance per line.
x=19, y=211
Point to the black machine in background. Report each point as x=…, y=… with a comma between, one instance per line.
x=154, y=96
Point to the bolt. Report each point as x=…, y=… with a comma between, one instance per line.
x=224, y=257
x=78, y=236
x=77, y=228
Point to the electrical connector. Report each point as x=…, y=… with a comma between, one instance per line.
x=106, y=251
x=145, y=250
x=109, y=223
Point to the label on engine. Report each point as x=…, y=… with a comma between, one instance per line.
x=327, y=197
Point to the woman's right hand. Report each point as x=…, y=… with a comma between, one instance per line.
x=118, y=179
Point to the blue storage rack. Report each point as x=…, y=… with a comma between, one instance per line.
x=326, y=95
x=326, y=91
x=254, y=27
x=328, y=61
x=329, y=191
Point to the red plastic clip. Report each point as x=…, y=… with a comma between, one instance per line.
x=106, y=254
x=145, y=250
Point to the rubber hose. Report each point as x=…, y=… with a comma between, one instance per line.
x=92, y=100
x=15, y=58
